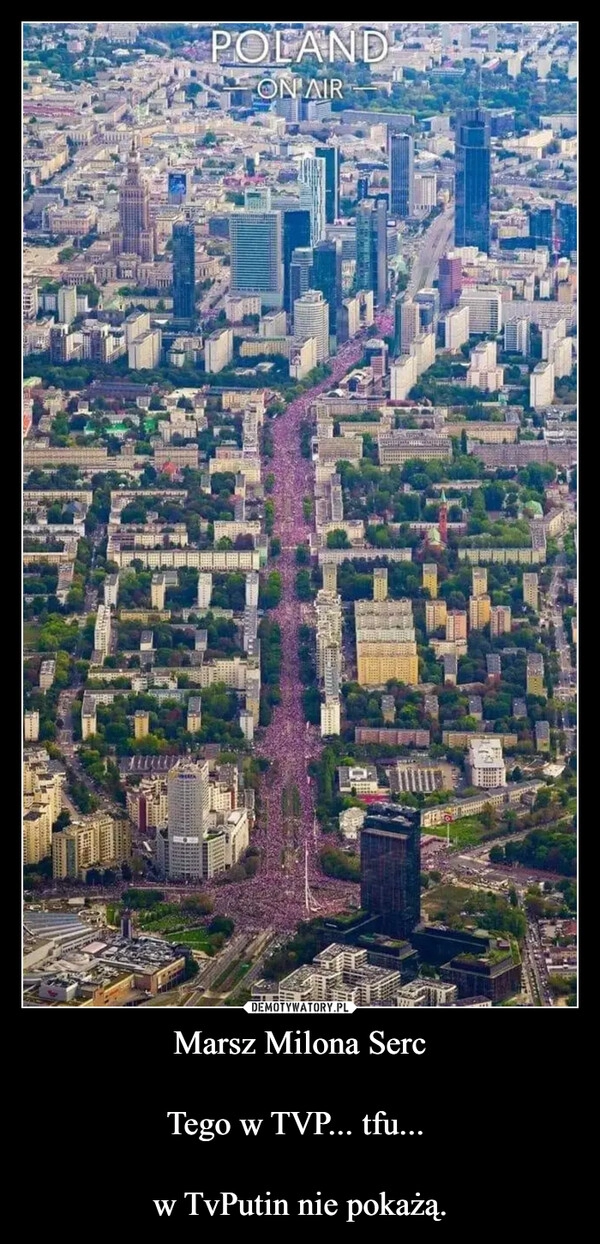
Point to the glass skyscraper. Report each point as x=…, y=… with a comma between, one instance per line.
x=371, y=247
x=566, y=228
x=472, y=215
x=312, y=195
x=257, y=255
x=184, y=271
x=402, y=179
x=300, y=277
x=390, y=868
x=327, y=276
x=331, y=156
x=296, y=233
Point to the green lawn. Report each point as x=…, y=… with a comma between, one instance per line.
x=31, y=632
x=449, y=899
x=464, y=833
x=198, y=938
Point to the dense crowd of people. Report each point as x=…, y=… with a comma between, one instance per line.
x=276, y=897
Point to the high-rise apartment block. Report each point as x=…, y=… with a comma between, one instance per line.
x=479, y=581
x=330, y=717
x=218, y=350
x=541, y=386
x=380, y=583
x=517, y=336
x=158, y=588
x=480, y=608
x=95, y=839
x=385, y=642
x=456, y=328
x=205, y=586
x=66, y=302
x=252, y=589
x=500, y=620
x=456, y=625
x=31, y=725
x=330, y=577
x=535, y=674
x=102, y=630
x=531, y=591
x=430, y=578
x=194, y=714
x=436, y=613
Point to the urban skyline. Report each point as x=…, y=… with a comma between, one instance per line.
x=300, y=514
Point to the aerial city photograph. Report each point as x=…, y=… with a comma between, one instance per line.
x=299, y=514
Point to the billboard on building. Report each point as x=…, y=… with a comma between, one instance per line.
x=177, y=187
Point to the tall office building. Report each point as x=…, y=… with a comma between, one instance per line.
x=390, y=866
x=566, y=228
x=517, y=336
x=472, y=215
x=134, y=219
x=362, y=188
x=450, y=280
x=401, y=156
x=410, y=324
x=300, y=278
x=331, y=156
x=184, y=271
x=67, y=304
x=296, y=233
x=311, y=319
x=188, y=808
x=327, y=276
x=257, y=255
x=205, y=586
x=312, y=194
x=541, y=227
x=371, y=248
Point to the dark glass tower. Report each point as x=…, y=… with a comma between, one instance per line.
x=541, y=227
x=183, y=271
x=390, y=868
x=472, y=219
x=566, y=228
x=327, y=276
x=401, y=162
x=331, y=156
x=296, y=233
x=371, y=248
